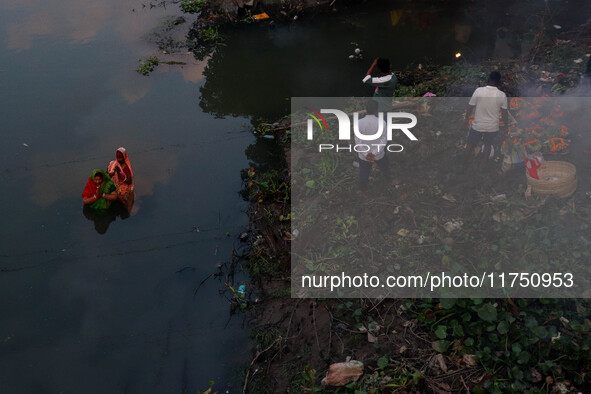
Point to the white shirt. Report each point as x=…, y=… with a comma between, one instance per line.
x=489, y=101
x=368, y=125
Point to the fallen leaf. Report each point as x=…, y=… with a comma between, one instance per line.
x=564, y=321
x=469, y=359
x=441, y=362
x=341, y=374
x=449, y=197
x=535, y=375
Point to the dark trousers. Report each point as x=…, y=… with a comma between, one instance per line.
x=365, y=169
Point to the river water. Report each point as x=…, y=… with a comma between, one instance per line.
x=112, y=306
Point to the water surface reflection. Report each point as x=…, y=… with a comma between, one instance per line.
x=83, y=312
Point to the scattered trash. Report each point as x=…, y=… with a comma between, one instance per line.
x=421, y=239
x=25, y=145
x=261, y=16
x=241, y=290
x=557, y=27
x=244, y=236
x=499, y=197
x=357, y=51
x=577, y=61
x=453, y=225
x=341, y=374
x=295, y=233
x=269, y=136
x=438, y=133
x=355, y=164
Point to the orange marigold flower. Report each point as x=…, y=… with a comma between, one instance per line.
x=563, y=131
x=516, y=102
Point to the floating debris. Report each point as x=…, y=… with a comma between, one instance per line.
x=261, y=16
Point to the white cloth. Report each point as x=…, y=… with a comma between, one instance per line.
x=489, y=101
x=382, y=79
x=368, y=125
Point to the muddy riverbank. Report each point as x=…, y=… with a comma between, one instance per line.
x=432, y=345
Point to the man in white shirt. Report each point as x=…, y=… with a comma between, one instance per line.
x=376, y=149
x=486, y=102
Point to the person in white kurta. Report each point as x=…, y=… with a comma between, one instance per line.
x=487, y=103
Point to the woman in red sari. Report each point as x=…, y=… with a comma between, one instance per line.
x=121, y=173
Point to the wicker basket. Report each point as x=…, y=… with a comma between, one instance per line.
x=564, y=185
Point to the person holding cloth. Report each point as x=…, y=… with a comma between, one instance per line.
x=486, y=103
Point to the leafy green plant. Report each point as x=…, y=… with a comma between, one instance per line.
x=210, y=34
x=266, y=186
x=515, y=343
x=148, y=65
x=192, y=6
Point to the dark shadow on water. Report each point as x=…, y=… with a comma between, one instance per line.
x=102, y=219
